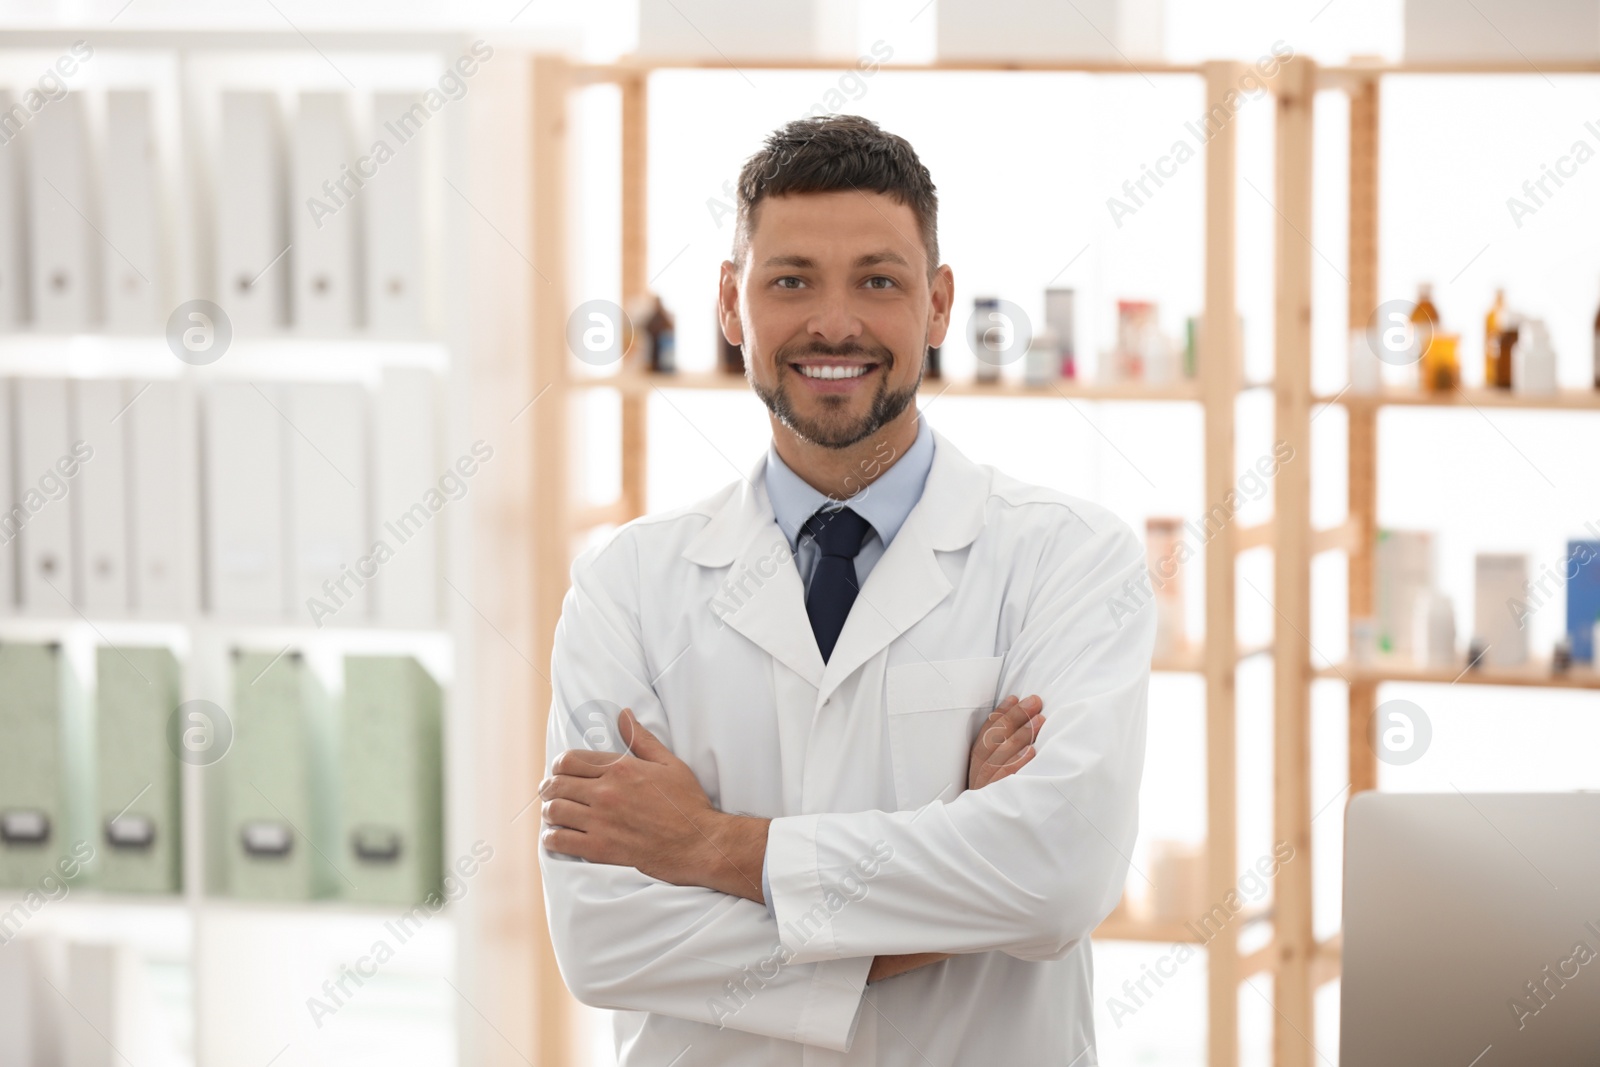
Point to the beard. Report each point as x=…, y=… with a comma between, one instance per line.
x=836, y=427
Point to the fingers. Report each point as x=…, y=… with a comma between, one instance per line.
x=566, y=813
x=1014, y=750
x=1011, y=716
x=583, y=762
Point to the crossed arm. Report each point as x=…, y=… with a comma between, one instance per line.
x=645, y=809
x=1026, y=865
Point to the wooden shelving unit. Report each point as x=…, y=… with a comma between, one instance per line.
x=1219, y=384
x=1299, y=962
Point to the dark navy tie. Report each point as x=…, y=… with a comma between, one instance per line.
x=839, y=535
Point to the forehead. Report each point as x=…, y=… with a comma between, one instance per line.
x=834, y=226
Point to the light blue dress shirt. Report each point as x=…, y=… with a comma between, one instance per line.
x=885, y=504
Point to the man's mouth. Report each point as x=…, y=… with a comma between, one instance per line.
x=833, y=371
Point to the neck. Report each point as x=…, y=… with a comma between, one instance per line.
x=841, y=473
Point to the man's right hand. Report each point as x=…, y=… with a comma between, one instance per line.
x=1005, y=743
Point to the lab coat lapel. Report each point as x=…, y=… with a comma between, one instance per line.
x=907, y=581
x=761, y=596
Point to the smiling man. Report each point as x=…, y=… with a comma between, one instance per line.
x=788, y=817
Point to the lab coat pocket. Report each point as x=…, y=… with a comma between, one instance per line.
x=934, y=709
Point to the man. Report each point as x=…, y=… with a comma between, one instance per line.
x=813, y=833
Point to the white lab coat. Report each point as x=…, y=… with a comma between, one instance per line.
x=695, y=619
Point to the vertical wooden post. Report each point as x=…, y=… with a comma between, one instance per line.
x=1220, y=373
x=551, y=537
x=635, y=279
x=1292, y=1033
x=1363, y=425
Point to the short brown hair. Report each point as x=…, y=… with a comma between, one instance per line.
x=833, y=154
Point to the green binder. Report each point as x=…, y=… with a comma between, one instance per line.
x=279, y=821
x=140, y=843
x=393, y=830
x=44, y=767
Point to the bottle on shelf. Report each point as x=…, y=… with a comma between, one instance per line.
x=1496, y=363
x=1042, y=363
x=1597, y=349
x=1424, y=324
x=1534, y=360
x=990, y=337
x=1060, y=316
x=1441, y=365
x=663, y=340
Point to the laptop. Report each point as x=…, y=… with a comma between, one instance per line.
x=1471, y=930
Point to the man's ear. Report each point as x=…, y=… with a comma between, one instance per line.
x=941, y=300
x=728, y=303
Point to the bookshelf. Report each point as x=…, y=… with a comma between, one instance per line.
x=1298, y=961
x=478, y=954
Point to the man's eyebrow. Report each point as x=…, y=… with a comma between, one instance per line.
x=871, y=259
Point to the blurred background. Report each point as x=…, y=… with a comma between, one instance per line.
x=331, y=332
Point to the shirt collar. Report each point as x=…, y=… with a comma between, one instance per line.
x=885, y=503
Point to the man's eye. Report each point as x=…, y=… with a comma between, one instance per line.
x=878, y=281
x=788, y=282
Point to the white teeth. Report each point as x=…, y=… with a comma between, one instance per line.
x=855, y=371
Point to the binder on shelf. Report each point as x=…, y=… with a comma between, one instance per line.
x=62, y=207
x=331, y=563
x=407, y=460
x=13, y=260
x=162, y=516
x=252, y=236
x=48, y=465
x=324, y=210
x=139, y=847
x=245, y=463
x=44, y=767
x=391, y=781
x=393, y=230
x=102, y=511
x=280, y=819
x=114, y=1019
x=12, y=510
x=32, y=1015
x=132, y=222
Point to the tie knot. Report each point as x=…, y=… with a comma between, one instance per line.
x=838, y=532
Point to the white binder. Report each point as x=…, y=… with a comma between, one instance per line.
x=101, y=491
x=61, y=202
x=244, y=445
x=163, y=519
x=11, y=510
x=394, y=219
x=13, y=263
x=324, y=208
x=407, y=467
x=133, y=260
x=252, y=265
x=48, y=470
x=328, y=513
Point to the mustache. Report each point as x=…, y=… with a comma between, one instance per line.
x=822, y=348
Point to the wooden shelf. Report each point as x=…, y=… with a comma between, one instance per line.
x=635, y=383
x=1536, y=675
x=1563, y=400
